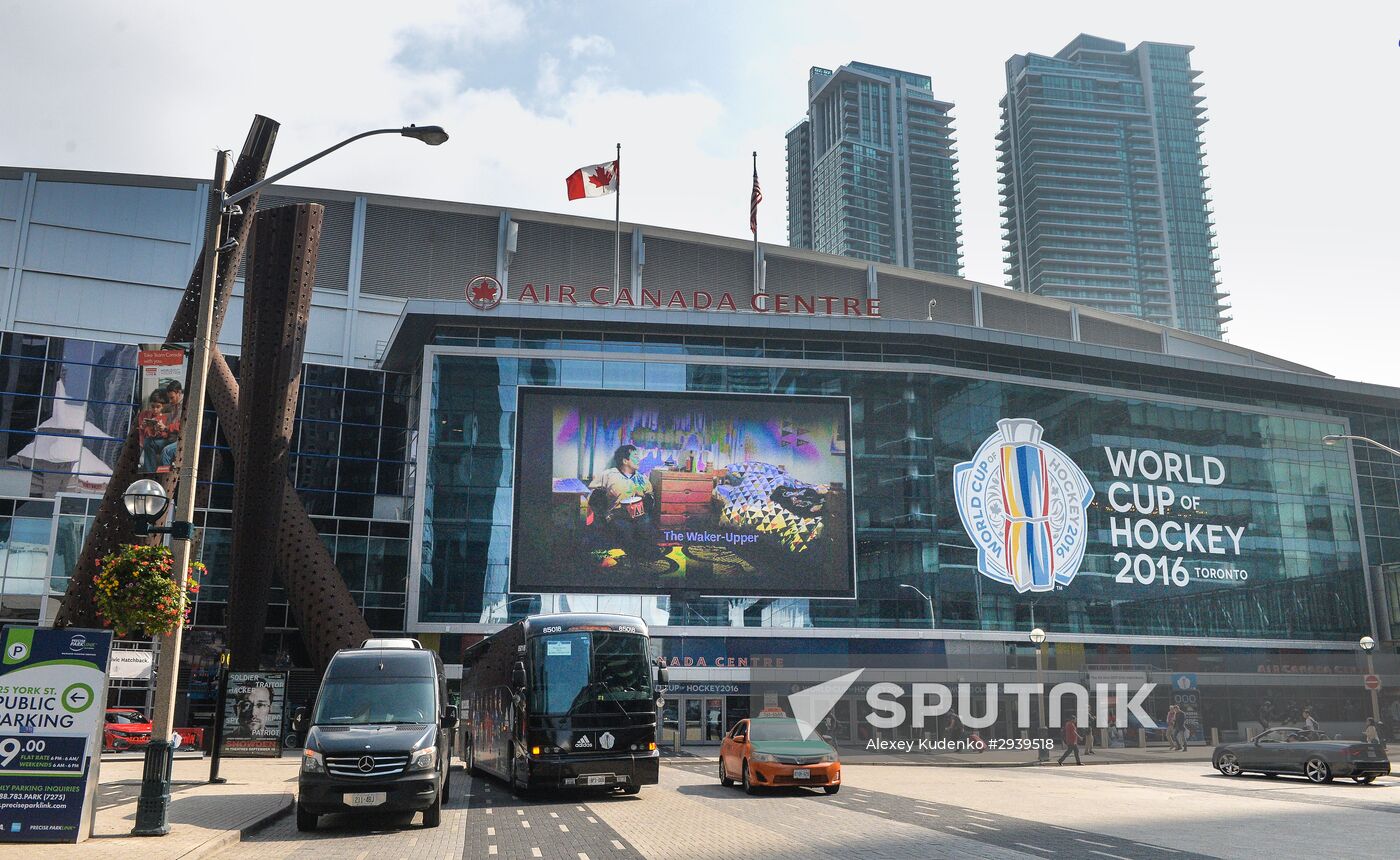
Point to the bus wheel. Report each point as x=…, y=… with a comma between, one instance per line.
x=516, y=787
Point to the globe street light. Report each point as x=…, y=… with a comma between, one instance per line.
x=931, y=621
x=153, y=806
x=1037, y=637
x=1368, y=647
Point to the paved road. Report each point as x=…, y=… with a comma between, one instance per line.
x=1180, y=811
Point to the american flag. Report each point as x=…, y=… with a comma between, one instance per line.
x=754, y=201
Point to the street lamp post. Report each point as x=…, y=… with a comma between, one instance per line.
x=153, y=806
x=1038, y=640
x=1368, y=647
x=1334, y=438
x=932, y=620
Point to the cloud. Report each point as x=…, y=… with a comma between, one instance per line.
x=595, y=45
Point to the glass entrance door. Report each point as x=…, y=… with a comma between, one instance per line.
x=695, y=720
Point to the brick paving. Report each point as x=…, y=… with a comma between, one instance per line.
x=1176, y=808
x=203, y=817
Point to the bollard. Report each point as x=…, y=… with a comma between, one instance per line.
x=152, y=806
x=1214, y=736
x=1142, y=739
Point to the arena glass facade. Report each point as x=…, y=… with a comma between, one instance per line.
x=404, y=439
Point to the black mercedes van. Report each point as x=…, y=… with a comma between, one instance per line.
x=380, y=737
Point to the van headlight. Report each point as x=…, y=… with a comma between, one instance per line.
x=424, y=759
x=758, y=756
x=313, y=762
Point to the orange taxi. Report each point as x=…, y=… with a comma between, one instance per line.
x=771, y=751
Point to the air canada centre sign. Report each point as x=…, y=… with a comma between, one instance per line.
x=800, y=304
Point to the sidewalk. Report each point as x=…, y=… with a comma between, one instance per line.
x=204, y=818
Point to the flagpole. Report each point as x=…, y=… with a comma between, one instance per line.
x=756, y=287
x=617, y=225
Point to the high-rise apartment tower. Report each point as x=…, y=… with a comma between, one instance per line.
x=872, y=170
x=1103, y=184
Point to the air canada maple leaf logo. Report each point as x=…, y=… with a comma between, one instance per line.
x=484, y=293
x=602, y=177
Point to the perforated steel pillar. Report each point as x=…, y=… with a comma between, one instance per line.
x=276, y=304
x=321, y=604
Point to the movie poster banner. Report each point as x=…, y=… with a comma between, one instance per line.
x=659, y=492
x=161, y=398
x=52, y=686
x=254, y=703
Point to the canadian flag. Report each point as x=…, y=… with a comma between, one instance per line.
x=593, y=181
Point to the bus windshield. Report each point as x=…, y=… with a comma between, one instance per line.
x=571, y=670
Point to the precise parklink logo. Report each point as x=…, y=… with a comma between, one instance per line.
x=1023, y=503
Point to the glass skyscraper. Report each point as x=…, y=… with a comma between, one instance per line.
x=872, y=170
x=1103, y=186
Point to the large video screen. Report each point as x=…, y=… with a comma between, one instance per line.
x=643, y=492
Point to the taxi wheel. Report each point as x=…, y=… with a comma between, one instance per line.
x=724, y=779
x=749, y=787
x=831, y=789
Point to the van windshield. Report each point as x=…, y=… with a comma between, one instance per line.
x=580, y=672
x=375, y=701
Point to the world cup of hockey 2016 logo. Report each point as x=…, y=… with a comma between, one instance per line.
x=1023, y=504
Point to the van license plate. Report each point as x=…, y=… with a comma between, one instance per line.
x=802, y=773
x=369, y=798
x=595, y=780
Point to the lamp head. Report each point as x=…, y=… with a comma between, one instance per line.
x=145, y=500
x=1037, y=636
x=432, y=135
x=1331, y=439
x=1367, y=644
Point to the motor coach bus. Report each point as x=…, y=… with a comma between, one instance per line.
x=563, y=701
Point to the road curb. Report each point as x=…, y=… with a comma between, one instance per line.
x=238, y=833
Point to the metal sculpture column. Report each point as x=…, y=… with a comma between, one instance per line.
x=276, y=305
x=112, y=526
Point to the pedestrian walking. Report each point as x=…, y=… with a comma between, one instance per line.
x=1171, y=726
x=1071, y=739
x=1310, y=722
x=1372, y=734
x=1089, y=734
x=1266, y=715
x=1179, y=730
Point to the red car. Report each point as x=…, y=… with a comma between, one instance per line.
x=126, y=728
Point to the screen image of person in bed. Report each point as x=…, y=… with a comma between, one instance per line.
x=725, y=494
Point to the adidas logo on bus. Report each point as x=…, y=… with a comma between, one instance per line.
x=583, y=743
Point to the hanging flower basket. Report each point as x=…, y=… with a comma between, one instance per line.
x=137, y=593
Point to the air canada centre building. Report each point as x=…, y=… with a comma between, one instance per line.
x=488, y=429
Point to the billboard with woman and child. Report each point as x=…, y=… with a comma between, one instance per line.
x=651, y=492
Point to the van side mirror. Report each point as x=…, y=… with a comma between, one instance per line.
x=517, y=677
x=662, y=676
x=449, y=717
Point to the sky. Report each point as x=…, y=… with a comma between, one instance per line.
x=1301, y=142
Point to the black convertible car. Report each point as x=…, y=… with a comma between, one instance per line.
x=1312, y=754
